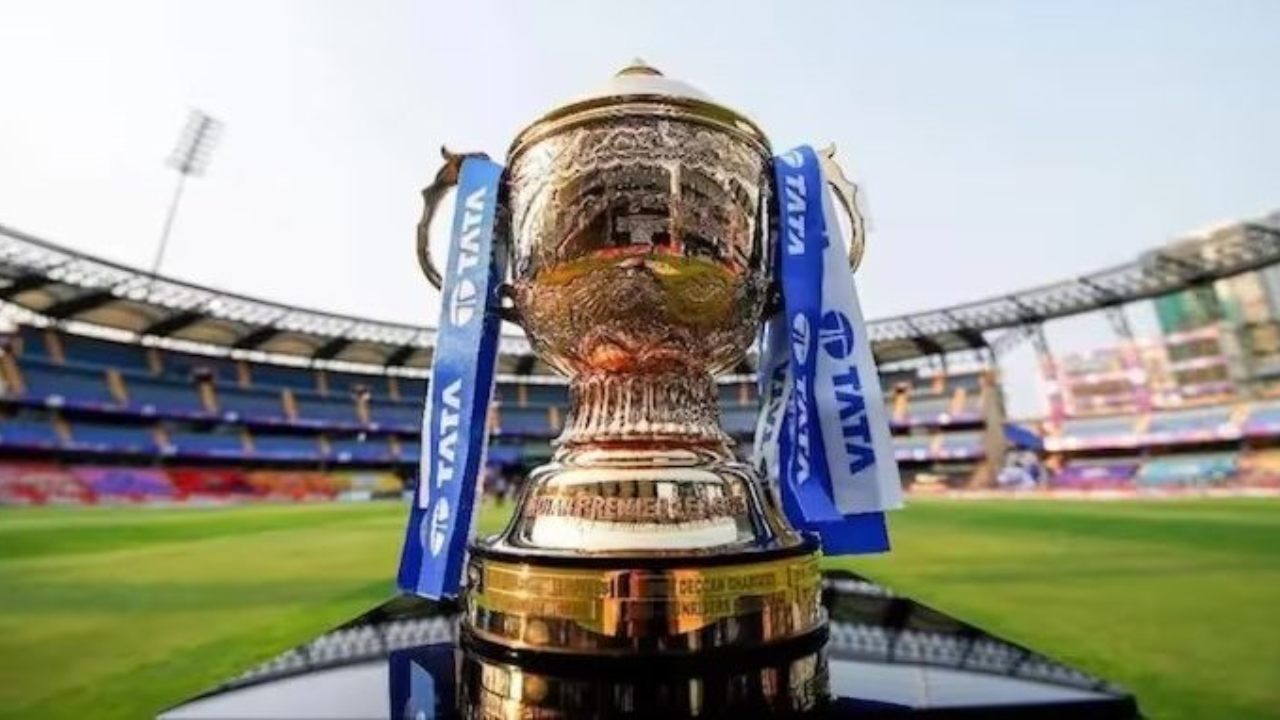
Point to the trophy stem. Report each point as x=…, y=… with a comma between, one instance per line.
x=676, y=408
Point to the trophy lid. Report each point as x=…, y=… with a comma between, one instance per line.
x=640, y=89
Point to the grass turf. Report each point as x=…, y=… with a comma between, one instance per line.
x=120, y=612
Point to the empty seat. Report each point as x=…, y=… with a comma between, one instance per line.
x=69, y=385
x=102, y=437
x=286, y=446
x=412, y=388
x=180, y=367
x=219, y=443
x=251, y=403
x=343, y=384
x=532, y=422
x=538, y=394
x=103, y=353
x=316, y=408
x=297, y=378
x=28, y=432
x=401, y=414
x=163, y=395
x=372, y=448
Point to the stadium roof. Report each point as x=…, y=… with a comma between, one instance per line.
x=61, y=284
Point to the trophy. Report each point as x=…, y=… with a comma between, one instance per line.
x=640, y=234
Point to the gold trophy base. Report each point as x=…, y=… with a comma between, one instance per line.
x=642, y=606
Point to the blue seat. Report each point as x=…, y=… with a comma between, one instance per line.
x=28, y=432
x=526, y=422
x=104, y=353
x=286, y=446
x=414, y=389
x=180, y=366
x=163, y=395
x=281, y=376
x=343, y=384
x=132, y=439
x=72, y=385
x=223, y=444
x=315, y=408
x=396, y=414
x=541, y=395
x=370, y=449
x=251, y=403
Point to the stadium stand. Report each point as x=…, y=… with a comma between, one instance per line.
x=283, y=410
x=1098, y=473
x=1188, y=470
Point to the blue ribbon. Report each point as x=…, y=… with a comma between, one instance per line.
x=454, y=427
x=804, y=476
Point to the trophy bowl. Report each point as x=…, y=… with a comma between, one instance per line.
x=641, y=250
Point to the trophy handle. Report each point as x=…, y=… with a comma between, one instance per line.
x=847, y=193
x=447, y=178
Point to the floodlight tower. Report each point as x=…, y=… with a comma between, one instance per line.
x=190, y=157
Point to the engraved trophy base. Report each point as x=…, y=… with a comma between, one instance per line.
x=643, y=536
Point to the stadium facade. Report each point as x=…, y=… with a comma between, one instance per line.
x=119, y=385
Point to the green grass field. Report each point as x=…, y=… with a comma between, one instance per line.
x=116, y=613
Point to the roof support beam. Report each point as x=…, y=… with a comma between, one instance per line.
x=172, y=324
x=254, y=339
x=331, y=349
x=400, y=356
x=80, y=303
x=23, y=283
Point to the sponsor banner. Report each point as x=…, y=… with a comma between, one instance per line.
x=376, y=484
x=41, y=484
x=454, y=424
x=292, y=484
x=126, y=483
x=216, y=483
x=823, y=434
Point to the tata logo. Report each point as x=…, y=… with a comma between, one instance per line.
x=855, y=429
x=465, y=300
x=450, y=416
x=440, y=518
x=795, y=202
x=800, y=337
x=462, y=304
x=835, y=333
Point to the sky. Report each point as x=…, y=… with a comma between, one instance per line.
x=1001, y=144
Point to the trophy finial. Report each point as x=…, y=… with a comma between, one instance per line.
x=639, y=67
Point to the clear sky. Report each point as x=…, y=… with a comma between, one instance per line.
x=1002, y=144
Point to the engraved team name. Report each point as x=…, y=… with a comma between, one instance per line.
x=636, y=510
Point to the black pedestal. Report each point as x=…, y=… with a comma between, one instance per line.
x=885, y=656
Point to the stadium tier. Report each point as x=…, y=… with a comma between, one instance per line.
x=75, y=399
x=106, y=366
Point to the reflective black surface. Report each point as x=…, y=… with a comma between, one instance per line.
x=885, y=656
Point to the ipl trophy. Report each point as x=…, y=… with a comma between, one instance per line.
x=640, y=231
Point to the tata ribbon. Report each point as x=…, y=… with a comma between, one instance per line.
x=454, y=428
x=823, y=434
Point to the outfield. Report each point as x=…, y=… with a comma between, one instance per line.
x=118, y=612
